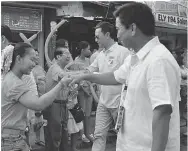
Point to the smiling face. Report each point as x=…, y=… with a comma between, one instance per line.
x=27, y=62
x=100, y=37
x=64, y=57
x=124, y=35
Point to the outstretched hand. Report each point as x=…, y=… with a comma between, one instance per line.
x=65, y=81
x=75, y=80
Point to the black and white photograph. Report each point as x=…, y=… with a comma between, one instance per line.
x=94, y=75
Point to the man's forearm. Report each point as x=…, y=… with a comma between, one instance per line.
x=102, y=79
x=160, y=127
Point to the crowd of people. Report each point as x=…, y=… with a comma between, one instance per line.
x=139, y=83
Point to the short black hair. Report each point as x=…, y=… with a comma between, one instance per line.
x=138, y=13
x=5, y=31
x=107, y=27
x=82, y=45
x=20, y=49
x=61, y=43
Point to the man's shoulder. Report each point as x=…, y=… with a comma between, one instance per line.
x=100, y=54
x=161, y=54
x=54, y=67
x=95, y=54
x=122, y=48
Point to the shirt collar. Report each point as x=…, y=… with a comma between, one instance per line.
x=146, y=48
x=111, y=48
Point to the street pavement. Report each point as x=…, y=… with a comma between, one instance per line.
x=111, y=139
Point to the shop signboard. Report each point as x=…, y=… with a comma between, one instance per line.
x=169, y=8
x=171, y=20
x=169, y=14
x=21, y=18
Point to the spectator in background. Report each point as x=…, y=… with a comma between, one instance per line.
x=85, y=98
x=6, y=47
x=39, y=76
x=73, y=127
x=62, y=43
x=6, y=36
x=182, y=61
x=174, y=54
x=83, y=53
x=56, y=133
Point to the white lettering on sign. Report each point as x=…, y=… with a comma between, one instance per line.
x=170, y=19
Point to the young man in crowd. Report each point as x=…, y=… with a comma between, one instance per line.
x=108, y=60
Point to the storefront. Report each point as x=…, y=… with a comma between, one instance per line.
x=32, y=19
x=26, y=21
x=171, y=23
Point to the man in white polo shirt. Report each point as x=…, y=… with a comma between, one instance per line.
x=108, y=60
x=151, y=117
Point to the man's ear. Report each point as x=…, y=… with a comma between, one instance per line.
x=107, y=34
x=133, y=26
x=58, y=56
x=18, y=58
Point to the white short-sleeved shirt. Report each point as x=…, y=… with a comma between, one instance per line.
x=109, y=61
x=93, y=56
x=153, y=81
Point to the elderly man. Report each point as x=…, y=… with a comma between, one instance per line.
x=57, y=114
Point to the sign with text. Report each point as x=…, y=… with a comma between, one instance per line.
x=166, y=7
x=171, y=20
x=21, y=19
